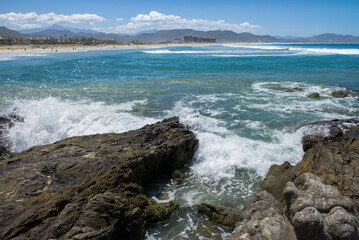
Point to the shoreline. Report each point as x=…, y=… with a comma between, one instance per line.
x=69, y=48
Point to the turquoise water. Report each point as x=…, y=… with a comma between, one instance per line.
x=237, y=98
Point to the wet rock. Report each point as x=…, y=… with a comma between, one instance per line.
x=298, y=89
x=219, y=215
x=157, y=212
x=334, y=158
x=313, y=95
x=276, y=179
x=344, y=93
x=262, y=218
x=178, y=177
x=308, y=203
x=89, y=187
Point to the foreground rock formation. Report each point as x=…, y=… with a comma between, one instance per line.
x=89, y=187
x=315, y=199
x=334, y=158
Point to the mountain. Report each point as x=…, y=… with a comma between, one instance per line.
x=57, y=31
x=57, y=27
x=69, y=34
x=331, y=37
x=221, y=36
x=8, y=33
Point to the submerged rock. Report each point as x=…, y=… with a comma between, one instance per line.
x=344, y=93
x=88, y=187
x=219, y=215
x=178, y=177
x=313, y=95
x=262, y=218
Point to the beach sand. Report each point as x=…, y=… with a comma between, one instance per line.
x=69, y=48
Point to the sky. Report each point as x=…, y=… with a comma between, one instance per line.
x=284, y=18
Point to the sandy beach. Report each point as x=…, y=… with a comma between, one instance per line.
x=68, y=48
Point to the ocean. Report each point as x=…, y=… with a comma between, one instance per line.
x=241, y=101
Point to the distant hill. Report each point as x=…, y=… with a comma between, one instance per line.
x=57, y=27
x=69, y=34
x=8, y=33
x=221, y=36
x=57, y=31
x=331, y=37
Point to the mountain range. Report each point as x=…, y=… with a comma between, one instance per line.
x=57, y=31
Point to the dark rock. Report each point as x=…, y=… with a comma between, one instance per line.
x=344, y=93
x=313, y=95
x=219, y=215
x=89, y=187
x=334, y=158
x=298, y=89
x=308, y=203
x=157, y=212
x=309, y=141
x=276, y=179
x=308, y=224
x=178, y=177
x=262, y=218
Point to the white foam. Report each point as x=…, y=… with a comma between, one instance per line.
x=262, y=47
x=221, y=152
x=326, y=51
x=51, y=119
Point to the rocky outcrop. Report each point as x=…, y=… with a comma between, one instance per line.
x=334, y=158
x=319, y=211
x=344, y=93
x=89, y=187
x=219, y=215
x=262, y=218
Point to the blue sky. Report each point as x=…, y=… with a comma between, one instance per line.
x=299, y=18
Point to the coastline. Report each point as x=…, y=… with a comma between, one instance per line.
x=69, y=48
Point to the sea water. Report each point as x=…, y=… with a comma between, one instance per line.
x=239, y=100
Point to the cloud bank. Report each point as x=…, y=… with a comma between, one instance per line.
x=33, y=20
x=160, y=21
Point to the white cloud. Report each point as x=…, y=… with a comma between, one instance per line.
x=156, y=20
x=119, y=19
x=32, y=20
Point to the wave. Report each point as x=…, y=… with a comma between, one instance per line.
x=263, y=47
x=327, y=51
x=51, y=119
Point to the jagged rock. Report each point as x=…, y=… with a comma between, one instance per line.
x=276, y=179
x=219, y=215
x=262, y=218
x=308, y=224
x=334, y=158
x=313, y=95
x=308, y=203
x=341, y=225
x=178, y=177
x=344, y=93
x=88, y=187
